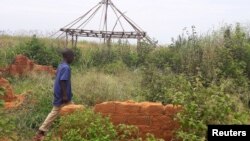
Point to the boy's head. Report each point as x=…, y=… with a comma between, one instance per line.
x=68, y=55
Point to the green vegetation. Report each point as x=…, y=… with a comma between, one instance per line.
x=209, y=75
x=89, y=126
x=6, y=124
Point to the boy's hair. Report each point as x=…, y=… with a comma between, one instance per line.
x=66, y=52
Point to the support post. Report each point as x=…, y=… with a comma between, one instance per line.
x=138, y=44
x=66, y=44
x=72, y=40
x=109, y=42
x=76, y=41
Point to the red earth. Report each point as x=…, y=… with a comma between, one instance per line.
x=21, y=65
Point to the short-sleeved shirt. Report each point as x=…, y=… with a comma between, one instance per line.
x=63, y=74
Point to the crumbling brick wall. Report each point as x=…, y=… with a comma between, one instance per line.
x=10, y=99
x=23, y=65
x=149, y=117
x=8, y=91
x=20, y=66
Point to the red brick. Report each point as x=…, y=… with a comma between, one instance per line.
x=149, y=117
x=156, y=132
x=117, y=119
x=138, y=120
x=152, y=109
x=106, y=107
x=171, y=126
x=127, y=108
x=22, y=65
x=106, y=114
x=168, y=135
x=68, y=109
x=160, y=120
x=172, y=110
x=144, y=127
x=8, y=91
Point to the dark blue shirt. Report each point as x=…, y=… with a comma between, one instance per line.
x=63, y=73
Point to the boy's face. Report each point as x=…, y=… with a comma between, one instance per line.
x=70, y=58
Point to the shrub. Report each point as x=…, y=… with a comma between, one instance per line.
x=128, y=55
x=206, y=106
x=6, y=123
x=73, y=135
x=79, y=60
x=143, y=52
x=115, y=68
x=86, y=125
x=127, y=132
x=36, y=106
x=162, y=57
x=131, y=133
x=89, y=126
x=38, y=51
x=104, y=55
x=202, y=105
x=2, y=91
x=160, y=85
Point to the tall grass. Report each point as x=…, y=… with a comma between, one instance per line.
x=94, y=87
x=89, y=87
x=199, y=72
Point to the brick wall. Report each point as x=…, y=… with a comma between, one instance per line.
x=23, y=65
x=8, y=91
x=10, y=99
x=148, y=117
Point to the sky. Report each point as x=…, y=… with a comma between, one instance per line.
x=161, y=19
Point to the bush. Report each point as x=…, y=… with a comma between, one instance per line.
x=115, y=68
x=89, y=126
x=73, y=135
x=86, y=125
x=143, y=52
x=2, y=91
x=208, y=75
x=104, y=55
x=131, y=133
x=128, y=55
x=202, y=105
x=127, y=132
x=6, y=123
x=37, y=105
x=79, y=60
x=39, y=52
x=160, y=85
x=7, y=126
x=162, y=57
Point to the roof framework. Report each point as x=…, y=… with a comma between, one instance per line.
x=77, y=28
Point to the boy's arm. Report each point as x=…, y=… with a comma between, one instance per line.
x=63, y=85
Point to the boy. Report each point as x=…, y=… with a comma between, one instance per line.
x=62, y=92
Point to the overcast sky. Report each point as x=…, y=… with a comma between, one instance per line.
x=162, y=19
